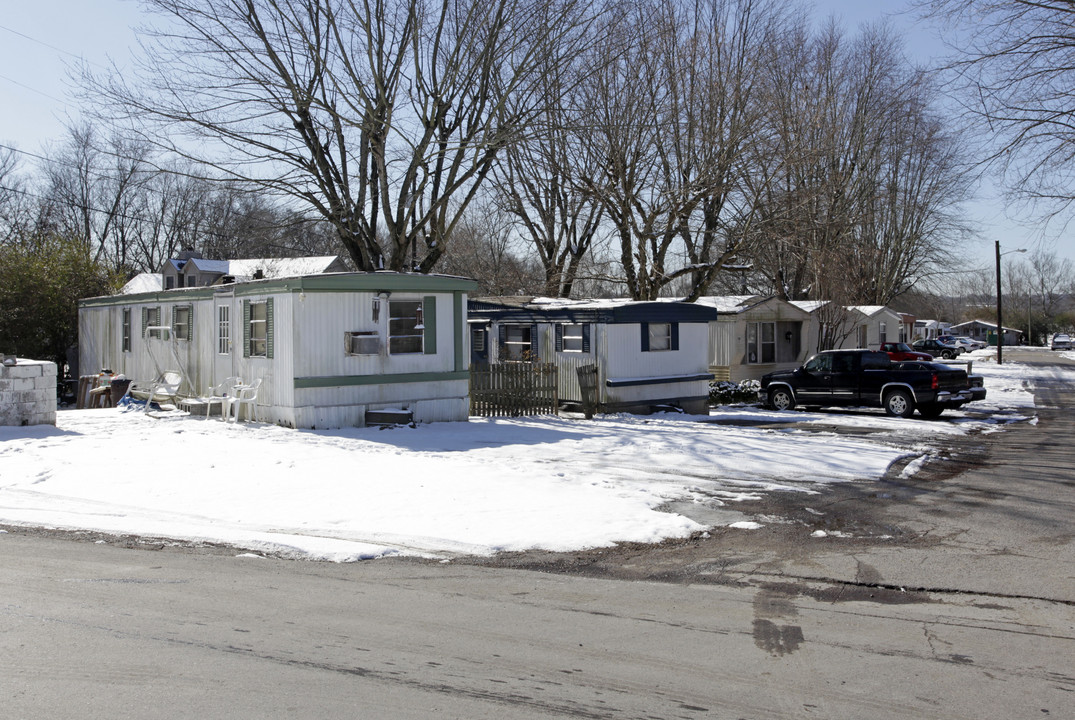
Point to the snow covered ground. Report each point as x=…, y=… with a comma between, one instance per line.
x=449, y=488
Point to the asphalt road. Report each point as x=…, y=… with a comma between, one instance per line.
x=953, y=596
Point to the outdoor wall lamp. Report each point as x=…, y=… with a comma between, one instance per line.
x=789, y=335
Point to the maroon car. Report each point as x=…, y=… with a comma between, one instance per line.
x=902, y=351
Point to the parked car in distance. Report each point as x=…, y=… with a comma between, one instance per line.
x=902, y=351
x=1061, y=341
x=970, y=344
x=937, y=348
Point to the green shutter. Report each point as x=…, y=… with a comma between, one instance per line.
x=268, y=328
x=190, y=323
x=246, y=328
x=429, y=319
x=145, y=321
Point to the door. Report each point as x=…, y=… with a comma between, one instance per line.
x=224, y=341
x=815, y=381
x=845, y=379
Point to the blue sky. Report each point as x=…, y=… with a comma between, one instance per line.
x=37, y=38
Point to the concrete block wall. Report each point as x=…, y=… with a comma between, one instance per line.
x=28, y=393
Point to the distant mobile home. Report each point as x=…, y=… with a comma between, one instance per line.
x=647, y=354
x=328, y=348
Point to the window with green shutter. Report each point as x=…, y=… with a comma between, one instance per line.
x=258, y=328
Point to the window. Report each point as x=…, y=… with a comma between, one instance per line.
x=223, y=329
x=517, y=343
x=181, y=322
x=259, y=317
x=660, y=336
x=151, y=318
x=573, y=338
x=405, y=327
x=169, y=282
x=882, y=332
x=761, y=343
x=364, y=342
x=126, y=329
x=477, y=339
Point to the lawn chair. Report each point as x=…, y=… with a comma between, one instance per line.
x=166, y=387
x=244, y=395
x=219, y=394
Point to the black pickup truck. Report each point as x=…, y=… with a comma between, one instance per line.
x=865, y=377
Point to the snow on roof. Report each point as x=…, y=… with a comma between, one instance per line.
x=280, y=267
x=867, y=310
x=728, y=303
x=269, y=267
x=809, y=305
x=141, y=283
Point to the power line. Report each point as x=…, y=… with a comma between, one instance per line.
x=50, y=47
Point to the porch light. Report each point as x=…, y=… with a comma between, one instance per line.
x=419, y=325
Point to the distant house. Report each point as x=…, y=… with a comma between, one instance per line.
x=987, y=332
x=190, y=269
x=647, y=354
x=929, y=329
x=750, y=336
x=328, y=348
x=873, y=325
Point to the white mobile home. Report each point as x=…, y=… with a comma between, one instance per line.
x=327, y=348
x=647, y=354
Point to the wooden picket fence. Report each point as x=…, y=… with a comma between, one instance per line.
x=513, y=389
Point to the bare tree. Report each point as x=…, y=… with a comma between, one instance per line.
x=539, y=182
x=485, y=247
x=384, y=117
x=865, y=180
x=672, y=111
x=1013, y=64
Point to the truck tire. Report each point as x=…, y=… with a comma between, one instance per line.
x=899, y=403
x=781, y=399
x=930, y=412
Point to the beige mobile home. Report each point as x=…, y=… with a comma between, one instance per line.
x=751, y=336
x=328, y=348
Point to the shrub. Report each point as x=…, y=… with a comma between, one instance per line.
x=724, y=392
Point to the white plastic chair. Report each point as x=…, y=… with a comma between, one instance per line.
x=218, y=394
x=244, y=395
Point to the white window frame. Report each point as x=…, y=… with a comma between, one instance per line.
x=223, y=329
x=761, y=351
x=126, y=331
x=181, y=330
x=259, y=329
x=570, y=341
x=406, y=335
x=517, y=349
x=660, y=336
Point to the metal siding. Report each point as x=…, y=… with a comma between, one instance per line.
x=626, y=359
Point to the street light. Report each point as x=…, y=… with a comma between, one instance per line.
x=1000, y=320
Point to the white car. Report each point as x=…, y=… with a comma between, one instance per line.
x=1061, y=341
x=970, y=343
